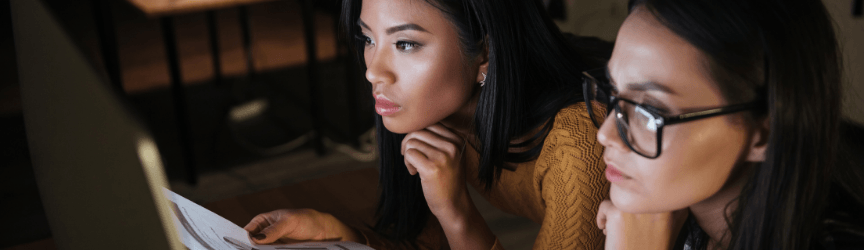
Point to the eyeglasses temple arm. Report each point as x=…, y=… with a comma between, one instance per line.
x=709, y=113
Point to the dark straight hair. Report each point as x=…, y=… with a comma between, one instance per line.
x=532, y=74
x=783, y=53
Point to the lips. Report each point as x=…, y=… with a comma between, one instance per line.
x=615, y=175
x=385, y=107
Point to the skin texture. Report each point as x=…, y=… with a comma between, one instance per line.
x=415, y=63
x=696, y=169
x=423, y=72
x=295, y=225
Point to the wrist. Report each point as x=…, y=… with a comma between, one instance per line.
x=458, y=210
x=465, y=227
x=355, y=235
x=460, y=216
x=341, y=231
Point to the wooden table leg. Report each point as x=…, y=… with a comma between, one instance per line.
x=108, y=41
x=308, y=13
x=178, y=93
x=214, y=47
x=858, y=8
x=246, y=30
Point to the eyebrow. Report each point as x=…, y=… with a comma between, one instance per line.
x=394, y=29
x=643, y=86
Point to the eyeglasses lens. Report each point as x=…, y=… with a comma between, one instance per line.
x=637, y=126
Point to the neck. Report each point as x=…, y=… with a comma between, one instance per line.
x=711, y=213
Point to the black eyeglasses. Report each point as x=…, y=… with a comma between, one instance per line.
x=640, y=126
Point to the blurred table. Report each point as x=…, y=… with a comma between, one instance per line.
x=165, y=10
x=155, y=8
x=350, y=196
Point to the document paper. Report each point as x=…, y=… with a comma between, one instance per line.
x=202, y=229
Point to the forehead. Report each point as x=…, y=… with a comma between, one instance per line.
x=646, y=50
x=390, y=12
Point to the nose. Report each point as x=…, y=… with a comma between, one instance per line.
x=378, y=66
x=608, y=136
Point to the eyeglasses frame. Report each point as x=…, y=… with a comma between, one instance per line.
x=660, y=120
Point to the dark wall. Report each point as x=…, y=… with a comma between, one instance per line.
x=10, y=101
x=21, y=211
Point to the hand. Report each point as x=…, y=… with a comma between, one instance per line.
x=435, y=153
x=639, y=231
x=293, y=225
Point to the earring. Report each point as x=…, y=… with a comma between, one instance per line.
x=484, y=80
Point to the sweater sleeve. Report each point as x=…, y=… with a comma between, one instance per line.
x=569, y=177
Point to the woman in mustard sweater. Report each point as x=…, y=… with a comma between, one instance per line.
x=469, y=92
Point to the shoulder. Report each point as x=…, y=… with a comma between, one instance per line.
x=843, y=220
x=572, y=127
x=569, y=177
x=571, y=157
x=841, y=234
x=842, y=223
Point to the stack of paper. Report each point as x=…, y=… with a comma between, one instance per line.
x=202, y=229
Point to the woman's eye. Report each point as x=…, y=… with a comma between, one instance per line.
x=656, y=107
x=365, y=39
x=646, y=119
x=406, y=46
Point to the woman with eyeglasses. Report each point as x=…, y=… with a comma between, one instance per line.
x=723, y=127
x=484, y=93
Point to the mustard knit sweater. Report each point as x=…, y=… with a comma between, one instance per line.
x=561, y=190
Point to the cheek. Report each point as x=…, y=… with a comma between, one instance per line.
x=691, y=168
x=431, y=87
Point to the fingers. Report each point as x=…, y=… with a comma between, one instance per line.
x=411, y=169
x=415, y=158
x=267, y=235
x=446, y=142
x=257, y=223
x=417, y=153
x=281, y=224
x=295, y=225
x=601, y=221
x=261, y=228
x=435, y=144
x=603, y=214
x=445, y=132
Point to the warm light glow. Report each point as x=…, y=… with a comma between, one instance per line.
x=151, y=163
x=249, y=110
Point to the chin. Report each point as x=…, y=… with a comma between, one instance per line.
x=634, y=203
x=621, y=201
x=397, y=127
x=629, y=202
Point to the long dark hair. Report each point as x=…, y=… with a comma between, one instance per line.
x=785, y=54
x=532, y=74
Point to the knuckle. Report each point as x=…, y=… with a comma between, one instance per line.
x=431, y=172
x=450, y=148
x=410, y=153
x=407, y=144
x=305, y=210
x=440, y=157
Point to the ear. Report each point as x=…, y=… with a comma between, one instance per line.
x=481, y=71
x=483, y=61
x=759, y=142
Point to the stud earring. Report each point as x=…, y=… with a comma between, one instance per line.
x=484, y=80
